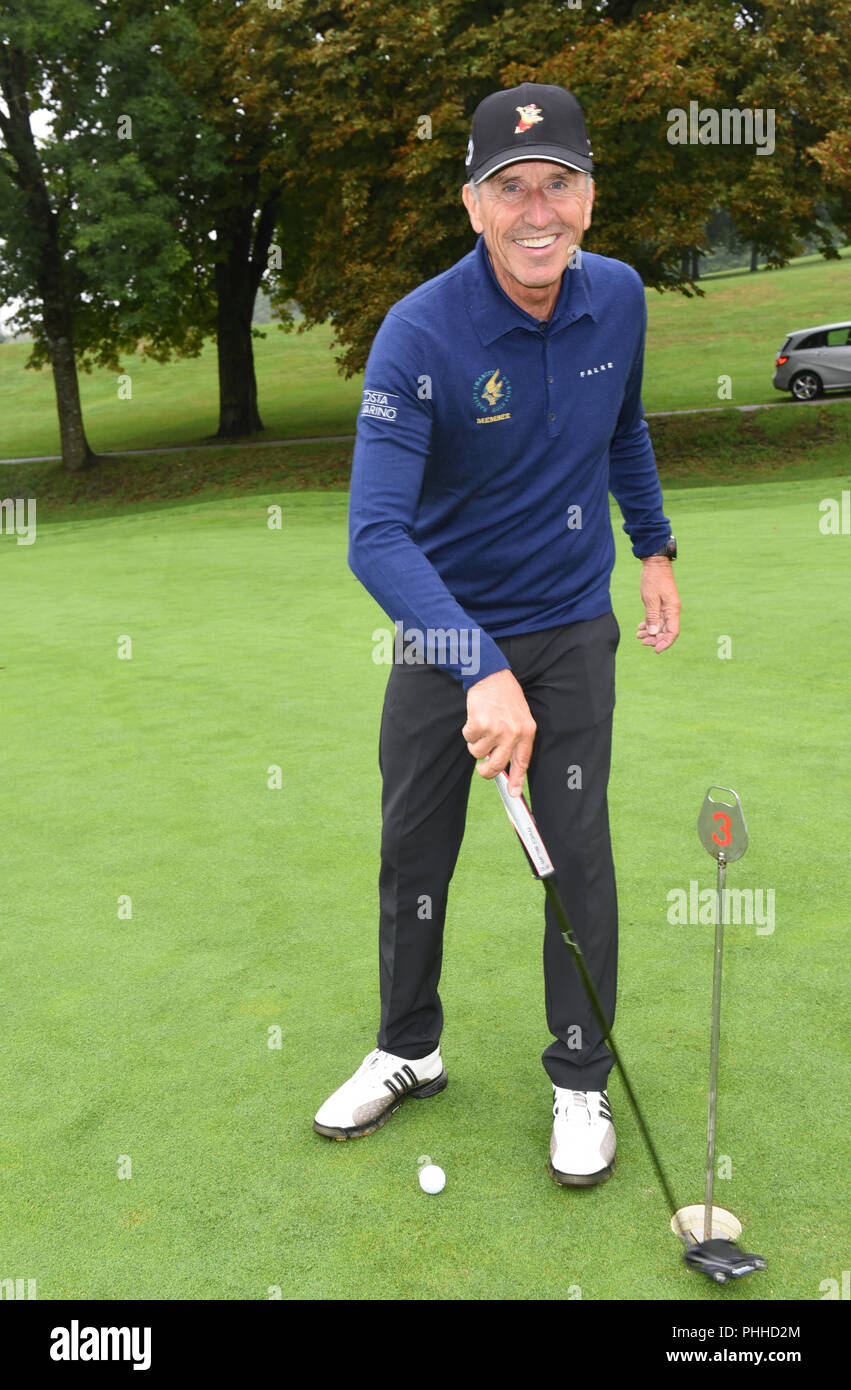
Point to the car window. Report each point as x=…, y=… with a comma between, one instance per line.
x=815, y=340
x=839, y=337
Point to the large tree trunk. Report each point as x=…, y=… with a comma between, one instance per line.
x=51, y=286
x=245, y=248
x=754, y=256
x=76, y=453
x=238, y=413
x=58, y=328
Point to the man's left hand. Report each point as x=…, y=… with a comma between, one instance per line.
x=661, y=604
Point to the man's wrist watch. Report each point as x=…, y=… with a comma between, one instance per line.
x=669, y=550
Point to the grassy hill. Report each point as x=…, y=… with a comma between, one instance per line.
x=734, y=330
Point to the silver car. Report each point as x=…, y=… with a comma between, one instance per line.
x=814, y=360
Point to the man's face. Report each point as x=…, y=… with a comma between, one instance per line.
x=532, y=202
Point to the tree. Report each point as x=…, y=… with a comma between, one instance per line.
x=87, y=240
x=795, y=60
x=392, y=97
x=239, y=65
x=37, y=260
x=148, y=219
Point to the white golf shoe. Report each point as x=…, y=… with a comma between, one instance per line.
x=582, y=1147
x=367, y=1100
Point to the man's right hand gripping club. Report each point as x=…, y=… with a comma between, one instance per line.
x=500, y=728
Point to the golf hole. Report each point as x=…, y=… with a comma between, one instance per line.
x=724, y=1223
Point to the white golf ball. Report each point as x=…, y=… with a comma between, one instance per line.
x=432, y=1178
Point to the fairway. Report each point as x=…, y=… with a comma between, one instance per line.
x=734, y=330
x=169, y=914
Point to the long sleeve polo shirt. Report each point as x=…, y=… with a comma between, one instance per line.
x=487, y=444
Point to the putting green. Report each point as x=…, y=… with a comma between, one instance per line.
x=155, y=1145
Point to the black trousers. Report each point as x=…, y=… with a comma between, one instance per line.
x=567, y=676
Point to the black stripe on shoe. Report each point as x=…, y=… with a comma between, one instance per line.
x=400, y=1083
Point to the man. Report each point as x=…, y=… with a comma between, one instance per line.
x=501, y=405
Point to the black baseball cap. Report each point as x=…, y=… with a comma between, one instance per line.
x=532, y=121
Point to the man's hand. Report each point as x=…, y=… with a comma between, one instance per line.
x=500, y=727
x=661, y=604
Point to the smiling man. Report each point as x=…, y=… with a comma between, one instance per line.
x=532, y=216
x=502, y=405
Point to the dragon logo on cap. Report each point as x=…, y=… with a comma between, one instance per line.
x=529, y=116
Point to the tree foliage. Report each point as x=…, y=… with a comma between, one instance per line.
x=87, y=63
x=191, y=139
x=385, y=198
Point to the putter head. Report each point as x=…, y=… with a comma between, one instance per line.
x=721, y=1260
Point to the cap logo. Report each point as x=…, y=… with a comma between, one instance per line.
x=469, y=158
x=529, y=116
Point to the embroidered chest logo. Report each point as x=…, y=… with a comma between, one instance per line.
x=592, y=371
x=491, y=394
x=529, y=115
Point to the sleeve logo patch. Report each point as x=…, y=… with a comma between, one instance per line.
x=379, y=404
x=491, y=394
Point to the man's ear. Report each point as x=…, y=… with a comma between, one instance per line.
x=589, y=203
x=472, y=207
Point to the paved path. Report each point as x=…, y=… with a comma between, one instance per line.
x=347, y=438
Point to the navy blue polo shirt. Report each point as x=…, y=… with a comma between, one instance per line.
x=487, y=445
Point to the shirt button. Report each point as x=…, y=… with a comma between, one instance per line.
x=552, y=416
x=550, y=380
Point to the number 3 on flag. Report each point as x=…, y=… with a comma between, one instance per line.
x=721, y=824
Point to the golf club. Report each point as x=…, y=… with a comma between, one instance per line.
x=718, y=1259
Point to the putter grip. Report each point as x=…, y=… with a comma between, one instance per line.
x=521, y=818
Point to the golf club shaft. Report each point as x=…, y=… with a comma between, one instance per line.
x=543, y=868
x=713, y=1050
x=561, y=916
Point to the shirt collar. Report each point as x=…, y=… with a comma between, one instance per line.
x=494, y=314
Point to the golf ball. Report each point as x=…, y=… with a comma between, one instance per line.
x=432, y=1178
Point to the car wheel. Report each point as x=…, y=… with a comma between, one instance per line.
x=806, y=386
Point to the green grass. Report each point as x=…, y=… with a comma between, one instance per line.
x=255, y=908
x=691, y=451
x=300, y=394
x=735, y=330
